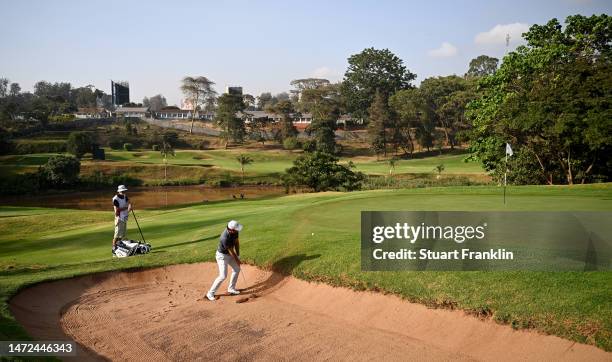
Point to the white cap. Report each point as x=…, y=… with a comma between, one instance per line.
x=234, y=225
x=121, y=188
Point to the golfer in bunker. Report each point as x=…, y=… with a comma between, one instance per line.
x=228, y=253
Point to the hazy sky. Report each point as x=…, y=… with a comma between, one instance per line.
x=260, y=45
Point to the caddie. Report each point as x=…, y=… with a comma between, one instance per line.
x=122, y=206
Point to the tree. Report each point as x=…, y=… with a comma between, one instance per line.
x=15, y=89
x=199, y=91
x=243, y=160
x=249, y=102
x=155, y=103
x=166, y=150
x=392, y=163
x=264, y=100
x=300, y=85
x=256, y=129
x=287, y=112
x=481, y=66
x=321, y=172
x=439, y=168
x=79, y=143
x=369, y=72
x=437, y=92
x=60, y=171
x=4, y=82
x=550, y=99
x=415, y=115
x=227, y=118
x=324, y=103
x=377, y=128
x=83, y=97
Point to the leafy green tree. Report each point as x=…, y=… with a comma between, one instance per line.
x=264, y=100
x=551, y=100
x=233, y=128
x=4, y=82
x=256, y=129
x=287, y=112
x=437, y=93
x=14, y=89
x=377, y=128
x=372, y=71
x=321, y=172
x=243, y=160
x=79, y=143
x=481, y=66
x=60, y=171
x=324, y=103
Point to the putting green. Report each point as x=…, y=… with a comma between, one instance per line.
x=316, y=237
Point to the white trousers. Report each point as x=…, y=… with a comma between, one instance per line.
x=223, y=260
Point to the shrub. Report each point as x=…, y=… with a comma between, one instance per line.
x=128, y=147
x=79, y=143
x=6, y=146
x=25, y=147
x=98, y=178
x=321, y=172
x=20, y=184
x=291, y=143
x=203, y=145
x=60, y=171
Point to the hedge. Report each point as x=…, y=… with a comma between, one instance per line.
x=24, y=147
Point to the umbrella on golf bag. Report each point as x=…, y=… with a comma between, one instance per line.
x=127, y=248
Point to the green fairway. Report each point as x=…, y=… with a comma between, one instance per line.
x=265, y=163
x=453, y=164
x=316, y=237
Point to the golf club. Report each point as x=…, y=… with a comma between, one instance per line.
x=135, y=219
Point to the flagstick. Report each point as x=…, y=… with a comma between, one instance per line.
x=505, y=178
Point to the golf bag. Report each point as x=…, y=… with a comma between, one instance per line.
x=127, y=248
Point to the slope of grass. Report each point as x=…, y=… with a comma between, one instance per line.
x=265, y=163
x=316, y=237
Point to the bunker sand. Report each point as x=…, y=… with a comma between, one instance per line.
x=160, y=314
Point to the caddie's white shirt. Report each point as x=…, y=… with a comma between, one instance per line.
x=123, y=203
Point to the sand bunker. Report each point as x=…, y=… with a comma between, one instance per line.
x=161, y=315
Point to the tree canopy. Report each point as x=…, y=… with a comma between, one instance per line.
x=551, y=100
x=369, y=71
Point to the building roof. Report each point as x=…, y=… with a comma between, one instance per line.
x=132, y=109
x=263, y=114
x=173, y=111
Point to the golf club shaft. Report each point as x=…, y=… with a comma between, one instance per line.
x=135, y=219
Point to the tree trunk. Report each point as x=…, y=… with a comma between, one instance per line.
x=547, y=175
x=570, y=176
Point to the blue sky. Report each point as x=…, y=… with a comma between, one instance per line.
x=260, y=45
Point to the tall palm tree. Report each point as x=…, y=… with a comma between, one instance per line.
x=243, y=160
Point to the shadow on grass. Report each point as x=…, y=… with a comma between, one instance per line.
x=166, y=246
x=281, y=269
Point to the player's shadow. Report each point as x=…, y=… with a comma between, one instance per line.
x=280, y=270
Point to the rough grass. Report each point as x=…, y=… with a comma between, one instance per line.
x=316, y=237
